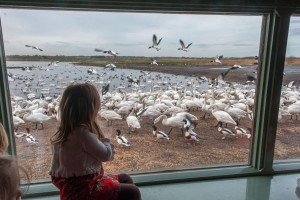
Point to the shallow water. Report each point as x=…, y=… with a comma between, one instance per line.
x=35, y=77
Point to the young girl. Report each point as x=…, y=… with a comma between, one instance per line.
x=79, y=148
x=9, y=178
x=3, y=140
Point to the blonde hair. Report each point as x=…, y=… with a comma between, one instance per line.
x=79, y=105
x=3, y=140
x=10, y=178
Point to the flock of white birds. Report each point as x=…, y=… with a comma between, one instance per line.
x=228, y=103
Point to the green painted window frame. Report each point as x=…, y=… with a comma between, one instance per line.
x=275, y=26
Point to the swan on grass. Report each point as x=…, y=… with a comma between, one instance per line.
x=173, y=122
x=36, y=118
x=17, y=121
x=132, y=122
x=110, y=116
x=221, y=116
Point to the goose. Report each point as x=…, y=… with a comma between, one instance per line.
x=110, y=52
x=190, y=135
x=36, y=118
x=183, y=47
x=222, y=116
x=159, y=134
x=34, y=47
x=217, y=59
x=155, y=43
x=132, y=122
x=121, y=139
x=21, y=136
x=240, y=131
x=225, y=132
x=30, y=139
x=110, y=116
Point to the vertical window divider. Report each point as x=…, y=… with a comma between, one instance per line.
x=5, y=106
x=270, y=74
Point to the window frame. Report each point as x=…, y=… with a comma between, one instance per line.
x=272, y=51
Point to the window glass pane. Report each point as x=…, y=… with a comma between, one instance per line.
x=212, y=75
x=287, y=144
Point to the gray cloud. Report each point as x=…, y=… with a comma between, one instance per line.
x=79, y=32
x=243, y=45
x=294, y=31
x=295, y=21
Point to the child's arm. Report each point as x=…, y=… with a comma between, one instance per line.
x=102, y=151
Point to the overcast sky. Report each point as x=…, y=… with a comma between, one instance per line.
x=130, y=34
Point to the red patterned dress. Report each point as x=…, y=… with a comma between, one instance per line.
x=94, y=186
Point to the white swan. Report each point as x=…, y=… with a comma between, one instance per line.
x=173, y=122
x=132, y=122
x=151, y=112
x=235, y=112
x=173, y=110
x=110, y=116
x=17, y=121
x=222, y=116
x=293, y=109
x=36, y=118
